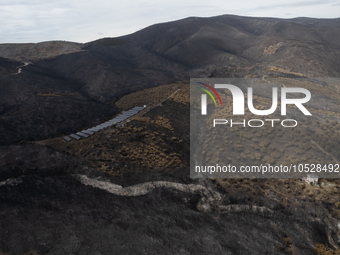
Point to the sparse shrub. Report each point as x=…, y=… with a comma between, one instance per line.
x=321, y=249
x=287, y=241
x=268, y=160
x=337, y=205
x=279, y=247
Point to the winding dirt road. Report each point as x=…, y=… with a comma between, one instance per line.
x=20, y=68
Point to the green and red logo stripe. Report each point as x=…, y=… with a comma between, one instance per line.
x=208, y=92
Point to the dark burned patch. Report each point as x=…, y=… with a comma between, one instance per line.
x=60, y=215
x=108, y=42
x=34, y=159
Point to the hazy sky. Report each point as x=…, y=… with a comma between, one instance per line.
x=87, y=20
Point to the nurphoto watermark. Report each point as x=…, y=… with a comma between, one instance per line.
x=264, y=128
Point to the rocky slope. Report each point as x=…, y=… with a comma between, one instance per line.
x=134, y=194
x=82, y=79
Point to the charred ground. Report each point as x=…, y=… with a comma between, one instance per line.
x=67, y=87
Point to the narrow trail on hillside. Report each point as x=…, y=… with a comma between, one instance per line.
x=20, y=68
x=210, y=199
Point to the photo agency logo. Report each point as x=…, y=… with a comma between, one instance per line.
x=263, y=127
x=204, y=97
x=238, y=104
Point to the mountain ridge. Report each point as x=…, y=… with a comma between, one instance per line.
x=106, y=69
x=66, y=87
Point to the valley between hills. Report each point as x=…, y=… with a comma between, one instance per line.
x=127, y=189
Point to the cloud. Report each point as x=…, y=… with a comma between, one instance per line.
x=81, y=21
x=295, y=4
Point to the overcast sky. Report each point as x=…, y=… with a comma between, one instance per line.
x=87, y=20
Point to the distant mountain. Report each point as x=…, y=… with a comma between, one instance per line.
x=54, y=88
x=97, y=72
x=29, y=52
